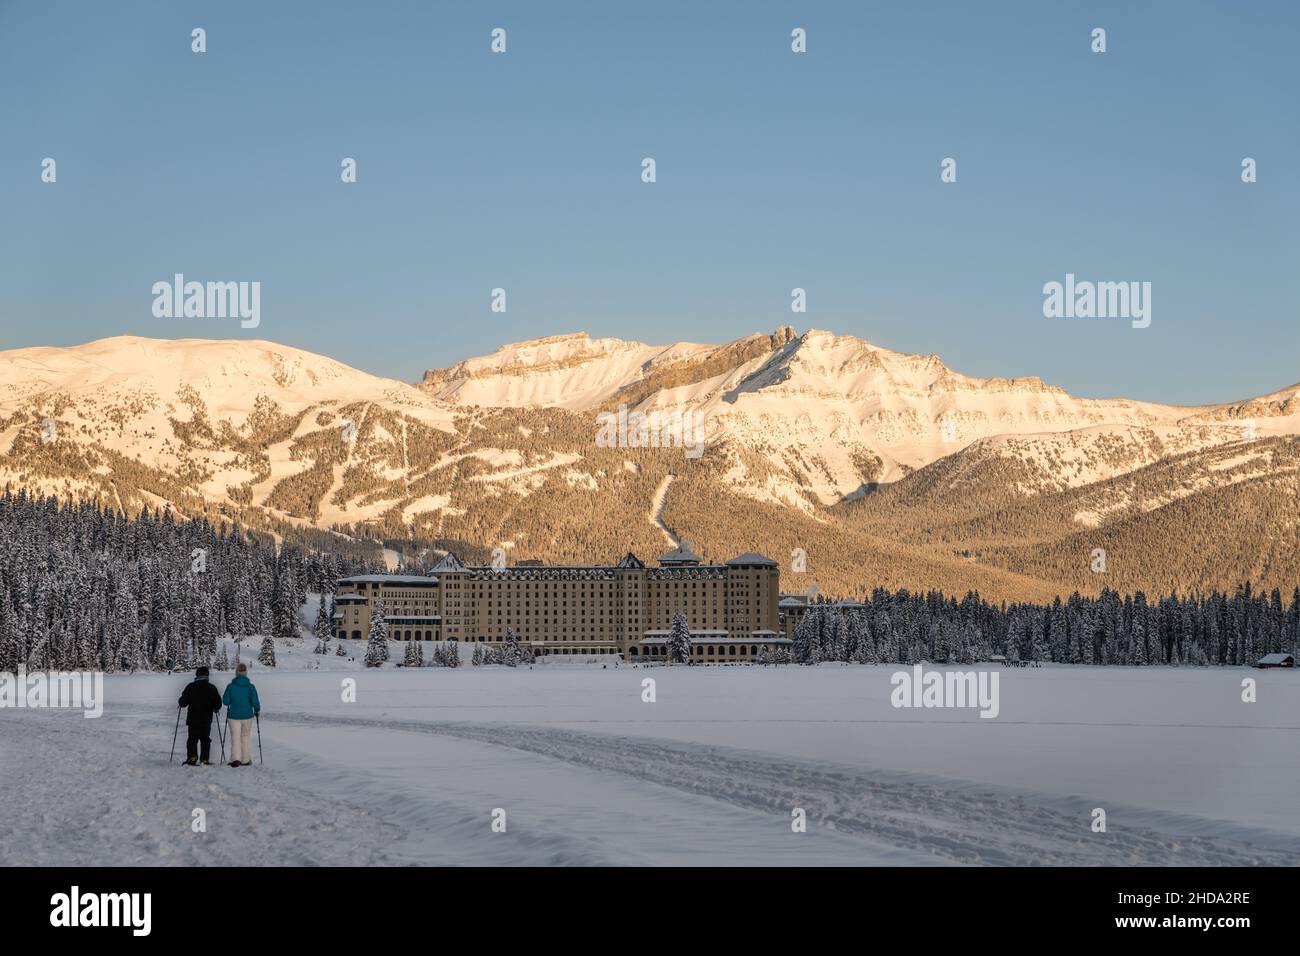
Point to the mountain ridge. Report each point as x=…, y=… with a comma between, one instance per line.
x=809, y=437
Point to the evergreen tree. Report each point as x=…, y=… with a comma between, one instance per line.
x=679, y=640
x=377, y=648
x=9, y=652
x=323, y=628
x=805, y=634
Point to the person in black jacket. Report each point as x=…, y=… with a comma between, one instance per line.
x=203, y=702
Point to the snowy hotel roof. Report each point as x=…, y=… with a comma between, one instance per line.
x=449, y=562
x=704, y=637
x=679, y=555
x=389, y=579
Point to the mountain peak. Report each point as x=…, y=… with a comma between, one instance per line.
x=230, y=372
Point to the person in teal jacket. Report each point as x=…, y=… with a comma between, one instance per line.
x=242, y=706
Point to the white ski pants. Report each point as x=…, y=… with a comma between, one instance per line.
x=240, y=732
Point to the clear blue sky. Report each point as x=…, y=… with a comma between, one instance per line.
x=775, y=170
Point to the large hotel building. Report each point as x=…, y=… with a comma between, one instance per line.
x=625, y=609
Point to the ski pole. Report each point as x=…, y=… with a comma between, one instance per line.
x=258, y=718
x=221, y=735
x=172, y=758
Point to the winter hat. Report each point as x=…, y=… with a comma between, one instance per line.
x=201, y=672
x=242, y=668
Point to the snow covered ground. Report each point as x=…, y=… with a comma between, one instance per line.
x=588, y=773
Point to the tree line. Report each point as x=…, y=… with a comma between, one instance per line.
x=84, y=588
x=906, y=628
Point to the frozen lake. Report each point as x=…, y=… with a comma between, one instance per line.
x=586, y=772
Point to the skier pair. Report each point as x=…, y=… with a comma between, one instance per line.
x=203, y=701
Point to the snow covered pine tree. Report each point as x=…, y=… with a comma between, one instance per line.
x=377, y=648
x=679, y=640
x=323, y=623
x=413, y=657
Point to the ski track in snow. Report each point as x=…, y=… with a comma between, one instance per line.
x=656, y=514
x=957, y=822
x=101, y=792
x=111, y=799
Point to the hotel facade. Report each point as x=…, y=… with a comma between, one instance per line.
x=624, y=609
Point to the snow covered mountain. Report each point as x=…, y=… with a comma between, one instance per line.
x=185, y=421
x=831, y=413
x=885, y=468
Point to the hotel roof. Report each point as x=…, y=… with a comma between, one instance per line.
x=679, y=555
x=449, y=562
x=389, y=579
